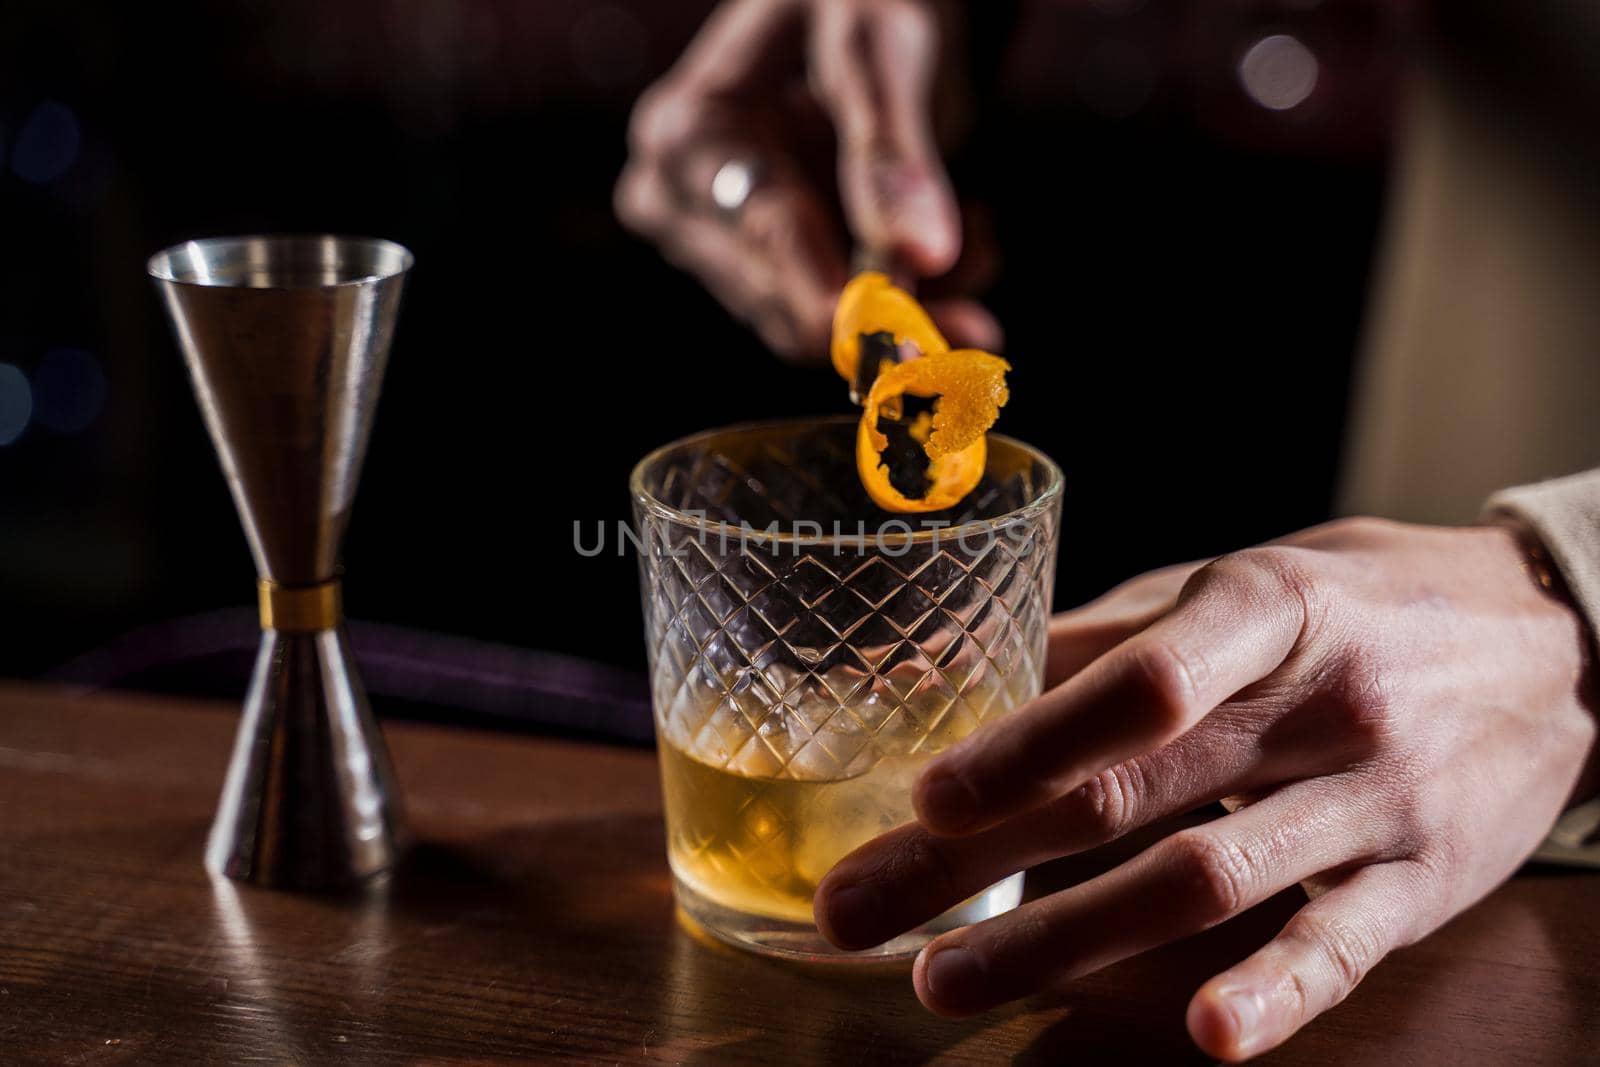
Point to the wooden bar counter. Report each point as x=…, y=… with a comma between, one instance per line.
x=533, y=921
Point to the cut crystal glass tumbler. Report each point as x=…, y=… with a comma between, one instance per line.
x=809, y=652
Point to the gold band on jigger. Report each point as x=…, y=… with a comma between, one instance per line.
x=300, y=609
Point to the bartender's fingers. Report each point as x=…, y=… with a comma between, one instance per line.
x=1236, y=622
x=788, y=237
x=1313, y=964
x=777, y=262
x=1183, y=884
x=783, y=261
x=873, y=66
x=1082, y=635
x=906, y=877
x=702, y=246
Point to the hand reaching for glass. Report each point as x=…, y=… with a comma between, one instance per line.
x=1393, y=715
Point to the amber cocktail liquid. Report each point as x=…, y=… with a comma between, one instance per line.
x=810, y=653
x=761, y=845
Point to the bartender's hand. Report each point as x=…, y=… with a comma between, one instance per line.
x=789, y=132
x=1402, y=712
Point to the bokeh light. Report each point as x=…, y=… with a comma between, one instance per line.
x=16, y=403
x=1278, y=72
x=69, y=390
x=47, y=143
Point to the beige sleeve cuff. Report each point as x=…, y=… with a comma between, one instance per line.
x=1565, y=515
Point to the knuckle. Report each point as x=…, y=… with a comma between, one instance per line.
x=1418, y=822
x=1107, y=805
x=1300, y=993
x=642, y=121
x=1428, y=830
x=628, y=200
x=1348, y=949
x=1263, y=574
x=1218, y=875
x=1302, y=585
x=624, y=205
x=660, y=120
x=1168, y=685
x=1236, y=570
x=1266, y=572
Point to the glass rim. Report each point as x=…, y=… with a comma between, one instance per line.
x=1041, y=500
x=163, y=266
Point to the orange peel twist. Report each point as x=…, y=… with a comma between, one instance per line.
x=967, y=388
x=871, y=304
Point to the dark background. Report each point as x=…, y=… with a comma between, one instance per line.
x=1183, y=282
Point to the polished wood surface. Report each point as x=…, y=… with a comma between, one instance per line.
x=534, y=921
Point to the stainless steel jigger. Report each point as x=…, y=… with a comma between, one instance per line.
x=286, y=339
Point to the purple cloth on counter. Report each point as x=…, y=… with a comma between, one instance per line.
x=408, y=673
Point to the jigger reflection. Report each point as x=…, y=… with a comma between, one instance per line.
x=286, y=340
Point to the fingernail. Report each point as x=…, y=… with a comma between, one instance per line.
x=853, y=915
x=947, y=803
x=953, y=977
x=1245, y=1007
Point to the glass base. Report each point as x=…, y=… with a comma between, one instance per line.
x=801, y=941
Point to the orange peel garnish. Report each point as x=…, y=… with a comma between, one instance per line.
x=970, y=386
x=968, y=389
x=951, y=477
x=872, y=304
